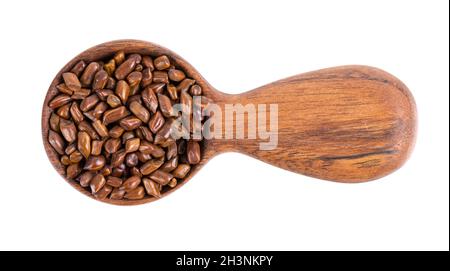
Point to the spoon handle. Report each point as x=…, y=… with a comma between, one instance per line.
x=346, y=124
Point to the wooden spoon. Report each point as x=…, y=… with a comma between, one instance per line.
x=345, y=124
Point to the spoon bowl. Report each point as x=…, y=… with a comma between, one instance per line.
x=344, y=124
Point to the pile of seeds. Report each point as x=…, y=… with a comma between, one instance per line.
x=111, y=126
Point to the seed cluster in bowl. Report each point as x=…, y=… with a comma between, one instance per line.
x=111, y=125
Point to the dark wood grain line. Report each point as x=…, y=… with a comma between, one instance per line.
x=359, y=155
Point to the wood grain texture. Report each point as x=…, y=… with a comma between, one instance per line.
x=347, y=124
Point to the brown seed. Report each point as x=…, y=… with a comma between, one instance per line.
x=149, y=148
x=134, y=171
x=157, y=87
x=114, y=181
x=119, y=57
x=56, y=142
x=110, y=83
x=89, y=73
x=99, y=109
x=132, y=145
x=86, y=178
x=103, y=93
x=147, y=77
x=127, y=66
x=139, y=111
x=59, y=100
x=161, y=177
x=54, y=122
x=138, y=132
x=97, y=146
x=78, y=68
x=100, y=79
x=115, y=114
x=196, y=90
x=116, y=131
x=149, y=99
x=112, y=145
x=167, y=142
x=63, y=111
x=134, y=89
x=131, y=160
x=70, y=149
x=104, y=192
x=127, y=135
x=123, y=90
x=170, y=165
x=136, y=57
x=151, y=188
x=143, y=157
x=161, y=62
x=106, y=170
x=118, y=171
x=164, y=132
x=185, y=84
x=130, y=123
x=176, y=75
x=89, y=102
x=186, y=101
x=172, y=90
x=134, y=98
x=193, y=152
x=138, y=68
x=85, y=126
x=81, y=94
x=68, y=130
x=113, y=101
x=110, y=67
x=76, y=113
x=134, y=78
x=84, y=144
x=64, y=89
x=117, y=194
x=165, y=105
x=172, y=183
x=75, y=157
x=117, y=158
x=146, y=133
x=151, y=166
x=148, y=62
x=73, y=170
x=181, y=170
x=71, y=81
x=94, y=163
x=159, y=139
x=97, y=183
x=172, y=151
x=160, y=77
x=90, y=115
x=131, y=183
x=100, y=128
x=135, y=194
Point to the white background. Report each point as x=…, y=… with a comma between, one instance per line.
x=235, y=202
